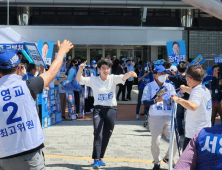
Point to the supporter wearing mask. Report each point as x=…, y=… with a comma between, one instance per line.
x=31, y=71
x=179, y=80
x=199, y=106
x=104, y=113
x=115, y=64
x=68, y=62
x=160, y=113
x=145, y=77
x=216, y=107
x=108, y=58
x=129, y=82
x=19, y=117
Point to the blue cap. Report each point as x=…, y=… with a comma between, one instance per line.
x=209, y=70
x=159, y=69
x=93, y=62
x=9, y=56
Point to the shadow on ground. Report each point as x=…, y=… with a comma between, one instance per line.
x=79, y=167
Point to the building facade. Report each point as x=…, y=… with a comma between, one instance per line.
x=127, y=28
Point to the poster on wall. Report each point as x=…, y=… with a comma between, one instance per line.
x=51, y=108
x=176, y=52
x=34, y=53
x=46, y=50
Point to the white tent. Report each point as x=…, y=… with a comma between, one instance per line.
x=10, y=39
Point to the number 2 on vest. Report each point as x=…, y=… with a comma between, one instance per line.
x=11, y=118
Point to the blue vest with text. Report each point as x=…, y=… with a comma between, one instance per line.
x=209, y=146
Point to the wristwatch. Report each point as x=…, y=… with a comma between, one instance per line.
x=178, y=100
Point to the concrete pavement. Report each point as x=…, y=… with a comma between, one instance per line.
x=69, y=146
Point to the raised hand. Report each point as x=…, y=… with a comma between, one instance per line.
x=65, y=46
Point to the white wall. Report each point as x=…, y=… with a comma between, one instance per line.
x=103, y=35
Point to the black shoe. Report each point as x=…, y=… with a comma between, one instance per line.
x=156, y=167
x=117, y=99
x=124, y=100
x=129, y=98
x=167, y=161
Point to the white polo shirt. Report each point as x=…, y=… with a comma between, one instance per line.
x=104, y=91
x=201, y=117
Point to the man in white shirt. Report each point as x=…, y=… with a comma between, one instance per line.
x=199, y=105
x=160, y=113
x=104, y=113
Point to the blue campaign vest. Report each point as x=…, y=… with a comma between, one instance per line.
x=209, y=147
x=20, y=128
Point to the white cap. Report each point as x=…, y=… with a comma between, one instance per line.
x=173, y=68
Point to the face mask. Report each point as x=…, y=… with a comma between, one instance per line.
x=69, y=58
x=162, y=78
x=146, y=69
x=129, y=64
x=94, y=65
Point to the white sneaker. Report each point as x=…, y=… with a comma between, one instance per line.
x=145, y=117
x=86, y=113
x=91, y=110
x=137, y=117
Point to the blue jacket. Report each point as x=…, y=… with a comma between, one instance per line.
x=149, y=78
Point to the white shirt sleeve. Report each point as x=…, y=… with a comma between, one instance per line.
x=196, y=96
x=118, y=79
x=146, y=93
x=85, y=81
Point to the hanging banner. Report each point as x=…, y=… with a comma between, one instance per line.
x=46, y=50
x=34, y=53
x=51, y=108
x=176, y=52
x=199, y=60
x=16, y=47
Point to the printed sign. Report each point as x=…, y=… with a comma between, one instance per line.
x=176, y=51
x=46, y=50
x=217, y=59
x=51, y=107
x=198, y=60
x=34, y=53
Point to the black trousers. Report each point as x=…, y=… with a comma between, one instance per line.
x=186, y=142
x=87, y=106
x=122, y=89
x=77, y=100
x=129, y=85
x=103, y=121
x=91, y=101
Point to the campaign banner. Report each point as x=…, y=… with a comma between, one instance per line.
x=199, y=60
x=51, y=107
x=16, y=47
x=46, y=50
x=217, y=59
x=176, y=52
x=34, y=53
x=81, y=104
